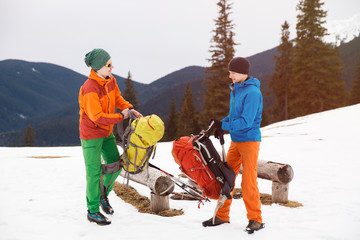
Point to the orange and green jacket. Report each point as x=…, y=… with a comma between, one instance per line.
x=98, y=98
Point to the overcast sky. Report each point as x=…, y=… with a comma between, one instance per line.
x=149, y=38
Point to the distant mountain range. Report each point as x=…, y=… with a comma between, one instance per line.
x=45, y=94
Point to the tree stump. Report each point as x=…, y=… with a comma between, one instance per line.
x=159, y=203
x=280, y=192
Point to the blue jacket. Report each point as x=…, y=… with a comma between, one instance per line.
x=246, y=105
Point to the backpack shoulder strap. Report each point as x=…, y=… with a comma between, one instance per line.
x=209, y=131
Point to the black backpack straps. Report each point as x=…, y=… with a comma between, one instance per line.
x=219, y=134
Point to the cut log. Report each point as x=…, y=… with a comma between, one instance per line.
x=276, y=172
x=156, y=180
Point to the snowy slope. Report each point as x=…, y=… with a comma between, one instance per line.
x=44, y=198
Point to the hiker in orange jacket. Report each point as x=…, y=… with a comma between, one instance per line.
x=98, y=98
x=243, y=122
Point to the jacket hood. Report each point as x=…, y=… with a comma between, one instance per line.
x=250, y=81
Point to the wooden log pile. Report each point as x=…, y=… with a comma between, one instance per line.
x=160, y=185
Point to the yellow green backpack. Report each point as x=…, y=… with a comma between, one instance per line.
x=139, y=141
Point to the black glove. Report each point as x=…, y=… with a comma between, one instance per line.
x=217, y=126
x=217, y=123
x=218, y=133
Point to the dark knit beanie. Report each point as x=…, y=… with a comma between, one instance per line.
x=239, y=65
x=97, y=58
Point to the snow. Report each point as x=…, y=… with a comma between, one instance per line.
x=44, y=198
x=22, y=116
x=35, y=70
x=345, y=29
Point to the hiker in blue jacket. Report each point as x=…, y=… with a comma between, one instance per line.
x=246, y=106
x=243, y=122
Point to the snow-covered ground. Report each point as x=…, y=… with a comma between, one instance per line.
x=44, y=198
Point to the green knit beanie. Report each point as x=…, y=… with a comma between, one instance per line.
x=97, y=58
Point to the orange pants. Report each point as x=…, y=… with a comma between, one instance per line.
x=246, y=154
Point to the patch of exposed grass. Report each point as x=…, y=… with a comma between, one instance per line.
x=266, y=199
x=142, y=203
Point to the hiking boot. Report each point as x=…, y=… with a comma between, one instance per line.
x=105, y=206
x=98, y=218
x=254, y=226
x=209, y=223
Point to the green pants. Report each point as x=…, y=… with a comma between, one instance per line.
x=93, y=149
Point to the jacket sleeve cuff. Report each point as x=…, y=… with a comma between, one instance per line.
x=225, y=126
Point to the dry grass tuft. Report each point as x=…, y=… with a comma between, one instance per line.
x=266, y=199
x=142, y=203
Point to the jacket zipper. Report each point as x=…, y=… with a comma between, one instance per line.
x=107, y=94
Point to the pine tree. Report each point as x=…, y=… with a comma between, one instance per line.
x=216, y=104
x=130, y=93
x=171, y=123
x=279, y=82
x=316, y=84
x=15, y=143
x=355, y=90
x=29, y=137
x=188, y=122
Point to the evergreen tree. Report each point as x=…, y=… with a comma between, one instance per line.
x=171, y=123
x=216, y=104
x=130, y=93
x=355, y=90
x=279, y=82
x=316, y=84
x=15, y=143
x=188, y=122
x=29, y=137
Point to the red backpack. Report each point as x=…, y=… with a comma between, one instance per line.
x=195, y=167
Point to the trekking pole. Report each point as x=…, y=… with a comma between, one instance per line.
x=219, y=205
x=193, y=191
x=177, y=181
x=222, y=141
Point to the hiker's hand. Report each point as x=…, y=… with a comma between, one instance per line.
x=218, y=133
x=125, y=113
x=136, y=113
x=217, y=126
x=217, y=123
